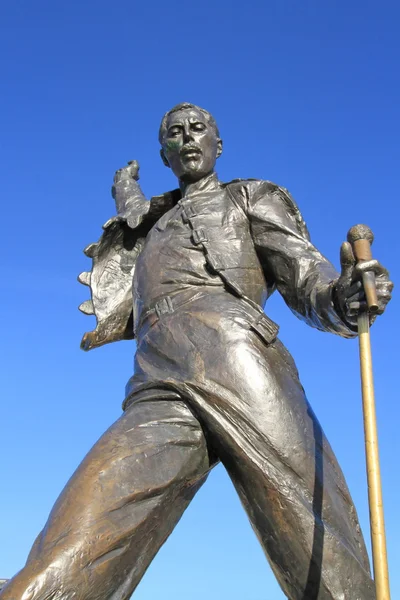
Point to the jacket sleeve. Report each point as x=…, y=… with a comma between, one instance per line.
x=114, y=259
x=303, y=276
x=110, y=282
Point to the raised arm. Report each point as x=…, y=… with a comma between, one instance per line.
x=114, y=258
x=113, y=263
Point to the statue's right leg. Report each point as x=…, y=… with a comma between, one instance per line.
x=118, y=508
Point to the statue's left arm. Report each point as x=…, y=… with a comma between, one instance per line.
x=308, y=282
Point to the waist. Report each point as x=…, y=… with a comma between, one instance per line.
x=169, y=304
x=204, y=299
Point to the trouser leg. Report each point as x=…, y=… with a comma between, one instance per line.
x=291, y=485
x=262, y=428
x=247, y=395
x=118, y=508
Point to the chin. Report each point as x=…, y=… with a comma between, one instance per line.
x=194, y=172
x=191, y=172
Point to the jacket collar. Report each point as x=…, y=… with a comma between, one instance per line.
x=161, y=204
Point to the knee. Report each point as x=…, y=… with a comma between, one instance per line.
x=34, y=582
x=23, y=587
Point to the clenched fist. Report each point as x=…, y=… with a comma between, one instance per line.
x=129, y=199
x=131, y=171
x=349, y=292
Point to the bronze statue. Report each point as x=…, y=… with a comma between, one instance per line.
x=212, y=382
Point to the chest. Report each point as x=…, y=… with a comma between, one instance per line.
x=196, y=220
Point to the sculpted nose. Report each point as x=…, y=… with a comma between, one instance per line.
x=187, y=135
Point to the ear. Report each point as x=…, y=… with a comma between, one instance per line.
x=164, y=158
x=219, y=147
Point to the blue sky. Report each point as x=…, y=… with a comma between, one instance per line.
x=306, y=94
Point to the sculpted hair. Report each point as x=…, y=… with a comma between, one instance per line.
x=184, y=106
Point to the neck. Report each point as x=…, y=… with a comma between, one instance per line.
x=209, y=180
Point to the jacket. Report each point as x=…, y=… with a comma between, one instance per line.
x=271, y=235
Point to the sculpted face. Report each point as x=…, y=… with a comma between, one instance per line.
x=190, y=146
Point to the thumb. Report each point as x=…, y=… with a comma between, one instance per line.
x=347, y=260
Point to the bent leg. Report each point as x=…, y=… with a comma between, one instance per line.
x=118, y=508
x=248, y=396
x=292, y=486
x=263, y=430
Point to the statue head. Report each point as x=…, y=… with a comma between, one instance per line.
x=190, y=142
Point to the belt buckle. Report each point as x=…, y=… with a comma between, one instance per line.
x=164, y=307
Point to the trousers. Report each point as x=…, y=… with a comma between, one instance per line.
x=206, y=388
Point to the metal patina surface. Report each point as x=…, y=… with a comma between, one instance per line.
x=188, y=274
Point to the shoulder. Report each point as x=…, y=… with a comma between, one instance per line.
x=163, y=203
x=251, y=186
x=244, y=191
x=254, y=189
x=261, y=197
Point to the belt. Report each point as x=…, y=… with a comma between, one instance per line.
x=168, y=305
x=258, y=320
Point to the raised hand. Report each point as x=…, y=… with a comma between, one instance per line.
x=129, y=199
x=349, y=290
x=131, y=171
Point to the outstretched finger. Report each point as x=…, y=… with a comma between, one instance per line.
x=347, y=260
x=371, y=265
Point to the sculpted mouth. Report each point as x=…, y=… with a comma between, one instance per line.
x=190, y=153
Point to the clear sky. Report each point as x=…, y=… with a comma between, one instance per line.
x=306, y=94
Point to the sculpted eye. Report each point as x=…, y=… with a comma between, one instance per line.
x=198, y=126
x=174, y=131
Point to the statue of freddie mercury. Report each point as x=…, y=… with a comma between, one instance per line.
x=212, y=382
